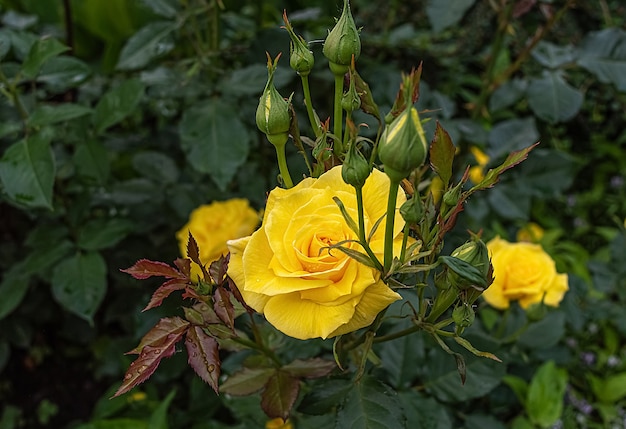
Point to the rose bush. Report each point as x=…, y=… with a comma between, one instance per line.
x=212, y=225
x=286, y=271
x=523, y=272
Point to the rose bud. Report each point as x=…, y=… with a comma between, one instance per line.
x=342, y=42
x=272, y=114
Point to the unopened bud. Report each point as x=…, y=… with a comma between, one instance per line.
x=300, y=57
x=351, y=100
x=355, y=169
x=463, y=316
x=342, y=42
x=272, y=114
x=412, y=210
x=475, y=253
x=401, y=148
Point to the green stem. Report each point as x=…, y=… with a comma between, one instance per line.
x=14, y=96
x=405, y=240
x=362, y=239
x=391, y=216
x=309, y=105
x=338, y=116
x=398, y=334
x=258, y=343
x=282, y=166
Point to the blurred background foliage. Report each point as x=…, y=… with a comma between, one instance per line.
x=118, y=118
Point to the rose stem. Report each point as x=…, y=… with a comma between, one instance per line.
x=391, y=215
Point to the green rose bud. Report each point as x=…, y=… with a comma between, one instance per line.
x=355, y=169
x=463, y=316
x=401, y=149
x=351, y=100
x=342, y=42
x=412, y=210
x=300, y=57
x=475, y=253
x=272, y=114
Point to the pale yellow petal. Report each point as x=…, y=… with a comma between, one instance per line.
x=236, y=272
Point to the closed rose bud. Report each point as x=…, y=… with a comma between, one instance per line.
x=351, y=100
x=342, y=42
x=300, y=57
x=272, y=114
x=463, y=316
x=412, y=210
x=401, y=149
x=475, y=253
x=355, y=169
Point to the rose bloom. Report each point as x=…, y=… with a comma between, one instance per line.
x=213, y=225
x=278, y=423
x=285, y=270
x=523, y=272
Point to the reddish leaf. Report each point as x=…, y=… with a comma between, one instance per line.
x=184, y=265
x=202, y=314
x=311, y=368
x=145, y=268
x=217, y=270
x=246, y=381
x=235, y=291
x=165, y=330
x=442, y=154
x=193, y=252
x=163, y=292
x=493, y=175
x=145, y=365
x=203, y=356
x=281, y=392
x=223, y=307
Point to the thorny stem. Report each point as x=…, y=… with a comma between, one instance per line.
x=391, y=215
x=338, y=116
x=309, y=105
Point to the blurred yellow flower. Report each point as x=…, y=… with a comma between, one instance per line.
x=477, y=172
x=523, y=272
x=213, y=225
x=436, y=188
x=278, y=423
x=286, y=271
x=531, y=233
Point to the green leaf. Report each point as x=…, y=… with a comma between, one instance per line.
x=251, y=80
x=117, y=104
x=148, y=43
x=464, y=269
x=442, y=154
x=552, y=56
x=62, y=73
x=103, y=233
x=424, y=413
x=281, y=392
x=121, y=423
x=5, y=43
x=165, y=8
x=399, y=356
x=324, y=396
x=48, y=114
x=215, y=140
x=156, y=166
x=480, y=421
x=310, y=368
x=512, y=135
x=79, y=283
x=552, y=99
x=13, y=289
x=40, y=52
x=446, y=13
x=545, y=395
x=545, y=333
x=611, y=389
x=92, y=160
x=158, y=418
x=370, y=404
x=21, y=43
x=603, y=53
x=27, y=171
x=518, y=386
x=247, y=381
x=507, y=94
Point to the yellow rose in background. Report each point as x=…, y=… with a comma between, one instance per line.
x=213, y=225
x=285, y=271
x=523, y=272
x=477, y=172
x=278, y=423
x=531, y=232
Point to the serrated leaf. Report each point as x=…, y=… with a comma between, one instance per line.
x=103, y=233
x=442, y=154
x=193, y=251
x=147, y=43
x=92, y=160
x=544, y=404
x=370, y=405
x=145, y=268
x=215, y=140
x=27, y=171
x=40, y=52
x=184, y=266
x=164, y=291
x=493, y=175
x=246, y=381
x=281, y=392
x=48, y=114
x=204, y=356
x=310, y=368
x=223, y=307
x=144, y=366
x=552, y=99
x=79, y=283
x=162, y=332
x=117, y=104
x=218, y=269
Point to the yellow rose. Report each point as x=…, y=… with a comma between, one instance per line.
x=531, y=233
x=477, y=172
x=523, y=272
x=213, y=225
x=278, y=423
x=284, y=271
